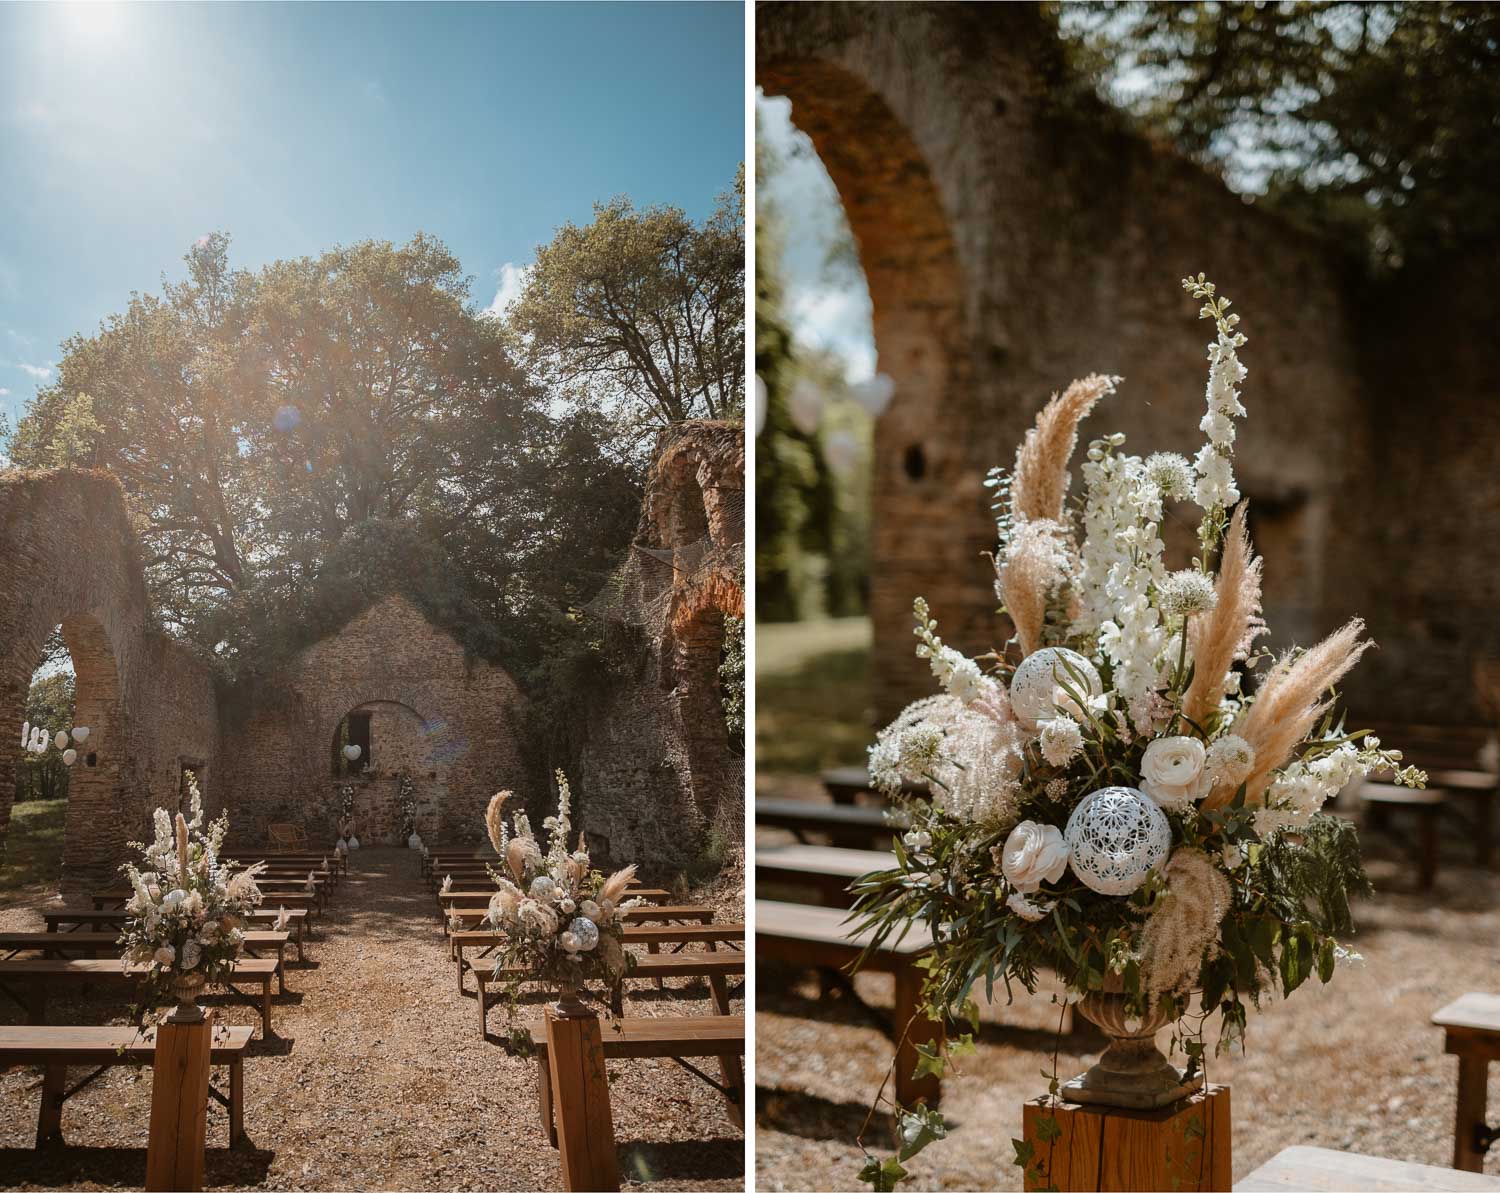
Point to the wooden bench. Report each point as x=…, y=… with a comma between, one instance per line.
x=33, y=978
x=1471, y=1028
x=845, y=784
x=819, y=938
x=312, y=858
x=720, y=1036
x=1310, y=1169
x=715, y=967
x=653, y=936
x=1381, y=798
x=450, y=901
x=462, y=919
x=80, y=918
x=95, y=944
x=115, y=900
x=844, y=825
x=56, y=1048
x=824, y=870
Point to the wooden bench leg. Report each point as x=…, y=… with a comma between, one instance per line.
x=458, y=955
x=265, y=1007
x=49, y=1120
x=1429, y=864
x=281, y=969
x=652, y=949
x=922, y=1031
x=544, y=1095
x=730, y=1068
x=484, y=1006
x=1473, y=1074
x=237, y=1104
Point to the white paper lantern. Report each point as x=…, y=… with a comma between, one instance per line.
x=1036, y=689
x=1116, y=836
x=352, y=753
x=586, y=932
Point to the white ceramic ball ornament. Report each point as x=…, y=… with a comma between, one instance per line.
x=1116, y=836
x=586, y=932
x=1035, y=690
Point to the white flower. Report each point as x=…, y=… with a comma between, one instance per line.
x=1033, y=854
x=1171, y=770
x=590, y=909
x=1027, y=910
x=1062, y=739
x=164, y=956
x=192, y=953
x=916, y=840
x=1229, y=761
x=1171, y=474
x=1185, y=593
x=1216, y=485
x=568, y=941
x=174, y=897
x=1234, y=856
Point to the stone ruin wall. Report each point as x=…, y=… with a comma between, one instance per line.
x=70, y=558
x=453, y=724
x=657, y=781
x=1010, y=245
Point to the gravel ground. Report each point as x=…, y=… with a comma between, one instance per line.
x=1354, y=1066
x=379, y=1079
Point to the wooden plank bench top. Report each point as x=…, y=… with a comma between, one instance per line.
x=804, y=930
x=1475, y=1013
x=658, y=965
x=637, y=1039
x=482, y=898
x=826, y=870
x=1389, y=793
x=634, y=934
x=56, y=1048
x=1321, y=1169
x=777, y=812
x=38, y=974
x=663, y=912
x=1471, y=1032
x=845, y=784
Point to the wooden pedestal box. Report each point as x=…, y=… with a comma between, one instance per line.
x=1184, y=1147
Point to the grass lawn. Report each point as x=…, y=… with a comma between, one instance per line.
x=812, y=685
x=33, y=845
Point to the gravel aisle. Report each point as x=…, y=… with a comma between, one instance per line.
x=379, y=1079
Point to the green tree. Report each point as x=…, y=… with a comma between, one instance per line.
x=642, y=313
x=1376, y=120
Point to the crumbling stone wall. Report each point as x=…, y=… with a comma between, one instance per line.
x=452, y=723
x=1013, y=237
x=69, y=557
x=658, y=781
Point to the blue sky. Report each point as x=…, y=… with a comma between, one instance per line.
x=126, y=132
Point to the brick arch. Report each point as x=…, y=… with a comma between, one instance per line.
x=844, y=98
x=70, y=557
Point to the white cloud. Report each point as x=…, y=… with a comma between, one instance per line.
x=512, y=282
x=40, y=372
x=4, y=393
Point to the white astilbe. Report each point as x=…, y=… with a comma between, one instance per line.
x=1185, y=925
x=1120, y=564
x=968, y=757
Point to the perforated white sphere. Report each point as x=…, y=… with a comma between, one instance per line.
x=1116, y=836
x=587, y=933
x=1034, y=689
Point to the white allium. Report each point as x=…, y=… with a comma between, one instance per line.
x=1171, y=474
x=1185, y=593
x=1062, y=739
x=1229, y=761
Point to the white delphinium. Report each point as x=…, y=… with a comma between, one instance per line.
x=560, y=825
x=1061, y=740
x=1216, y=489
x=1120, y=561
x=959, y=675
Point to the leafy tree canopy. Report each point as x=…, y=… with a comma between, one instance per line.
x=302, y=439
x=642, y=313
x=1380, y=121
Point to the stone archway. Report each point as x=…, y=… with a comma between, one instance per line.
x=71, y=559
x=911, y=266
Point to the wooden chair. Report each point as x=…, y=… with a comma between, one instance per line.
x=55, y=1048
x=284, y=835
x=1471, y=1029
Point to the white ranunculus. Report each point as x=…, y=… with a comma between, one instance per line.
x=1172, y=770
x=590, y=910
x=1033, y=854
x=192, y=953
x=164, y=956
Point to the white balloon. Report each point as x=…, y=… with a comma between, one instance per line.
x=81, y=734
x=352, y=753
x=841, y=450
x=760, y=404
x=70, y=757
x=61, y=740
x=805, y=405
x=25, y=734
x=875, y=394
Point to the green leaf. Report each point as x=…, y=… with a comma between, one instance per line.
x=1025, y=1152
x=882, y=1177
x=930, y=1062
x=1047, y=1129
x=919, y=1127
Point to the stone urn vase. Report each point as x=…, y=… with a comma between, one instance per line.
x=1131, y=1072
x=186, y=987
x=568, y=1004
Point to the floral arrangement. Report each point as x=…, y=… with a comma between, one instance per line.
x=188, y=909
x=1108, y=801
x=406, y=800
x=562, y=918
